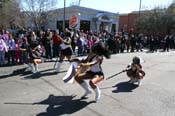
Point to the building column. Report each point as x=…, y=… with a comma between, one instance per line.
x=106, y=26
x=98, y=25
x=116, y=27
x=110, y=26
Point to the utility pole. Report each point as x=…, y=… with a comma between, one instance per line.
x=64, y=15
x=140, y=5
x=79, y=2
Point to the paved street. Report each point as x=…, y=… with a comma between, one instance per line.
x=45, y=94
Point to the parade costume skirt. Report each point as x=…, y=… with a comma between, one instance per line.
x=66, y=52
x=95, y=73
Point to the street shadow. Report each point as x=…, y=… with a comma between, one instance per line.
x=58, y=105
x=14, y=73
x=51, y=101
x=23, y=72
x=30, y=72
x=41, y=74
x=124, y=87
x=62, y=105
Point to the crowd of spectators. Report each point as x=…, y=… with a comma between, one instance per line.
x=11, y=43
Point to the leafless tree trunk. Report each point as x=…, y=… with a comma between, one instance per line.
x=11, y=16
x=38, y=11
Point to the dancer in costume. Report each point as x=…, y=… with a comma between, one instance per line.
x=34, y=52
x=95, y=72
x=135, y=71
x=36, y=57
x=66, y=50
x=25, y=53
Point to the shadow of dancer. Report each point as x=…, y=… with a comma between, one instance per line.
x=59, y=105
x=124, y=87
x=14, y=73
x=41, y=74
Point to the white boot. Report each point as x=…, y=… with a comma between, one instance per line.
x=86, y=88
x=139, y=81
x=36, y=68
x=132, y=80
x=97, y=93
x=57, y=69
x=30, y=67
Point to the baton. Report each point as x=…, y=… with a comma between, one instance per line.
x=116, y=74
x=72, y=60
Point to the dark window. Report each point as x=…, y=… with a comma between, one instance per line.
x=60, y=25
x=84, y=25
x=113, y=28
x=105, y=17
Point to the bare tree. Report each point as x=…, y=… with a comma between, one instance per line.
x=38, y=11
x=75, y=3
x=10, y=14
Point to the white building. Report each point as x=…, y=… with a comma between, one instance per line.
x=88, y=19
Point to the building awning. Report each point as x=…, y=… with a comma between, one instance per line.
x=103, y=17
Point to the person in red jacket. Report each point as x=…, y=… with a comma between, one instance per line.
x=56, y=44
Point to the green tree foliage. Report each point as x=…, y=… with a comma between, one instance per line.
x=157, y=21
x=150, y=21
x=168, y=19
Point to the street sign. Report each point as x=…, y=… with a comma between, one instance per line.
x=73, y=22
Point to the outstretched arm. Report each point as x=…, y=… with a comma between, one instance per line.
x=98, y=59
x=67, y=42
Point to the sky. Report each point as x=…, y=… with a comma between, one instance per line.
x=118, y=6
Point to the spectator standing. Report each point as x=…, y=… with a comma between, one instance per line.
x=11, y=51
x=3, y=49
x=66, y=50
x=56, y=44
x=48, y=39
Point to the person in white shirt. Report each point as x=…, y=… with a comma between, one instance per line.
x=66, y=50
